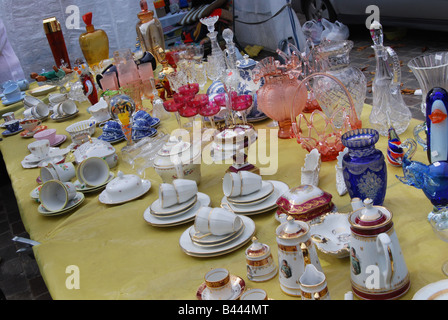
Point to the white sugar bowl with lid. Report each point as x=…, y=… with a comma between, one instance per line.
x=123, y=188
x=295, y=251
x=178, y=160
x=259, y=261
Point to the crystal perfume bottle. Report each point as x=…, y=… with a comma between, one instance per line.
x=94, y=43
x=149, y=30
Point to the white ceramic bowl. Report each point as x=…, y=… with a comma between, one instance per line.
x=81, y=128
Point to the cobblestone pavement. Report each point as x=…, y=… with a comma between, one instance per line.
x=20, y=278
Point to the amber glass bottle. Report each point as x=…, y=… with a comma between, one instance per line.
x=94, y=43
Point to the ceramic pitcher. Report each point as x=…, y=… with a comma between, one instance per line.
x=378, y=269
x=295, y=251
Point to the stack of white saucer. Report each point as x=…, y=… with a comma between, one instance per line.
x=177, y=204
x=247, y=193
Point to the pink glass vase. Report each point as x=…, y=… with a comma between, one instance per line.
x=275, y=99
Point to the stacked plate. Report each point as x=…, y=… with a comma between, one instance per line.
x=260, y=201
x=195, y=244
x=176, y=214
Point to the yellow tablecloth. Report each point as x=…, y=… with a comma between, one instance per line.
x=120, y=256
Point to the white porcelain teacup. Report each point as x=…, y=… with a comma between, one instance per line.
x=64, y=171
x=40, y=148
x=217, y=221
x=54, y=195
x=241, y=183
x=48, y=173
x=167, y=195
x=218, y=284
x=254, y=294
x=30, y=101
x=67, y=107
x=185, y=189
x=40, y=110
x=93, y=171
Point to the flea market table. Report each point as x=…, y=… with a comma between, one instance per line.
x=120, y=256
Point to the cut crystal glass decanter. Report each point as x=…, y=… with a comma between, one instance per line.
x=389, y=109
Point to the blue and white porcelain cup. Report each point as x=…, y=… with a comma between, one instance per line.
x=12, y=125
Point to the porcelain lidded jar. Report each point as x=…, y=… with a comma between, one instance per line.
x=378, y=270
x=259, y=261
x=178, y=160
x=295, y=251
x=305, y=202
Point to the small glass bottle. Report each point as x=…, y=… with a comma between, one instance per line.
x=55, y=38
x=94, y=43
x=149, y=30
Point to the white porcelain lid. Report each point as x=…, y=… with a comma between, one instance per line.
x=303, y=193
x=124, y=186
x=96, y=148
x=176, y=150
x=291, y=229
x=257, y=249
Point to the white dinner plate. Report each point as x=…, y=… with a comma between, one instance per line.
x=189, y=215
x=191, y=249
x=268, y=204
x=433, y=291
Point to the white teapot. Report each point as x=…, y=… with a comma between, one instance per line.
x=378, y=269
x=295, y=251
x=178, y=160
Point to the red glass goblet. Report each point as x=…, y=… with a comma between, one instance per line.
x=173, y=106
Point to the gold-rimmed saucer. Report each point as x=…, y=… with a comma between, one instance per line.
x=178, y=208
x=192, y=249
x=213, y=240
x=238, y=288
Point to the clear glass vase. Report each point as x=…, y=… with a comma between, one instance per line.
x=334, y=59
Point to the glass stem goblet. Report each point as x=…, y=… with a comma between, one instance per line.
x=439, y=224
